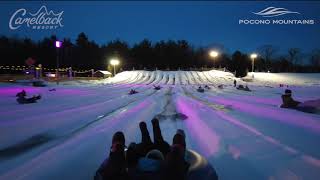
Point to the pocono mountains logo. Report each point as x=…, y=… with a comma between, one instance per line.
x=271, y=15
x=40, y=20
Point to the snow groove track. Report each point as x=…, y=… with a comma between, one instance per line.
x=71, y=132
x=243, y=135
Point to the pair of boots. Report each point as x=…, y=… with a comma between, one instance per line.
x=158, y=142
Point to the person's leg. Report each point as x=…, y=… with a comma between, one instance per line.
x=146, y=144
x=159, y=142
x=145, y=136
x=179, y=139
x=157, y=136
x=115, y=166
x=175, y=166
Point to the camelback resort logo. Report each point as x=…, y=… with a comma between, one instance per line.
x=40, y=20
x=276, y=16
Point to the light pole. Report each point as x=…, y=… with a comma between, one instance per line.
x=58, y=46
x=114, y=63
x=214, y=54
x=253, y=56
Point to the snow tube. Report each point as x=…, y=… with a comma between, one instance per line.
x=200, y=90
x=132, y=92
x=308, y=109
x=199, y=168
x=312, y=106
x=39, y=84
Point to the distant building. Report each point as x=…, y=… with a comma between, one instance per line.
x=102, y=74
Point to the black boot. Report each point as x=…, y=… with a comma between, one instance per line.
x=157, y=136
x=145, y=136
x=159, y=142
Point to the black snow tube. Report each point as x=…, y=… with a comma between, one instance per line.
x=200, y=90
x=199, y=168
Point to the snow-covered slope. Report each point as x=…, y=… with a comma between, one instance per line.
x=244, y=135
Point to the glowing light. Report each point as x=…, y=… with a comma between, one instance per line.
x=114, y=62
x=213, y=53
x=58, y=44
x=253, y=55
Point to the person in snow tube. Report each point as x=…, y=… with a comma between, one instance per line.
x=200, y=89
x=22, y=99
x=21, y=94
x=289, y=102
x=157, y=87
x=132, y=91
x=148, y=160
x=241, y=87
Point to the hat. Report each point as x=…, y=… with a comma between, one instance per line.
x=155, y=154
x=287, y=92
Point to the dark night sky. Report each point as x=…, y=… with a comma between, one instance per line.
x=201, y=23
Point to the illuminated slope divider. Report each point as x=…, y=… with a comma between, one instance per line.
x=191, y=81
x=170, y=78
x=202, y=78
x=141, y=78
x=94, y=140
x=164, y=79
x=197, y=78
x=219, y=76
x=204, y=75
x=210, y=104
x=56, y=121
x=184, y=78
x=191, y=78
x=134, y=78
x=146, y=77
x=206, y=140
x=158, y=78
x=177, y=78
x=152, y=77
x=124, y=77
x=213, y=78
x=140, y=74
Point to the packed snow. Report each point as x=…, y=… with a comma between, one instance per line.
x=243, y=135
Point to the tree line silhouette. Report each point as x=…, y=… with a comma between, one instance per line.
x=162, y=55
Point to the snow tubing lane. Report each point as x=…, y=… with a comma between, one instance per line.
x=199, y=168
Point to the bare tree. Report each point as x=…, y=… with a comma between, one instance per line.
x=267, y=52
x=315, y=58
x=294, y=55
